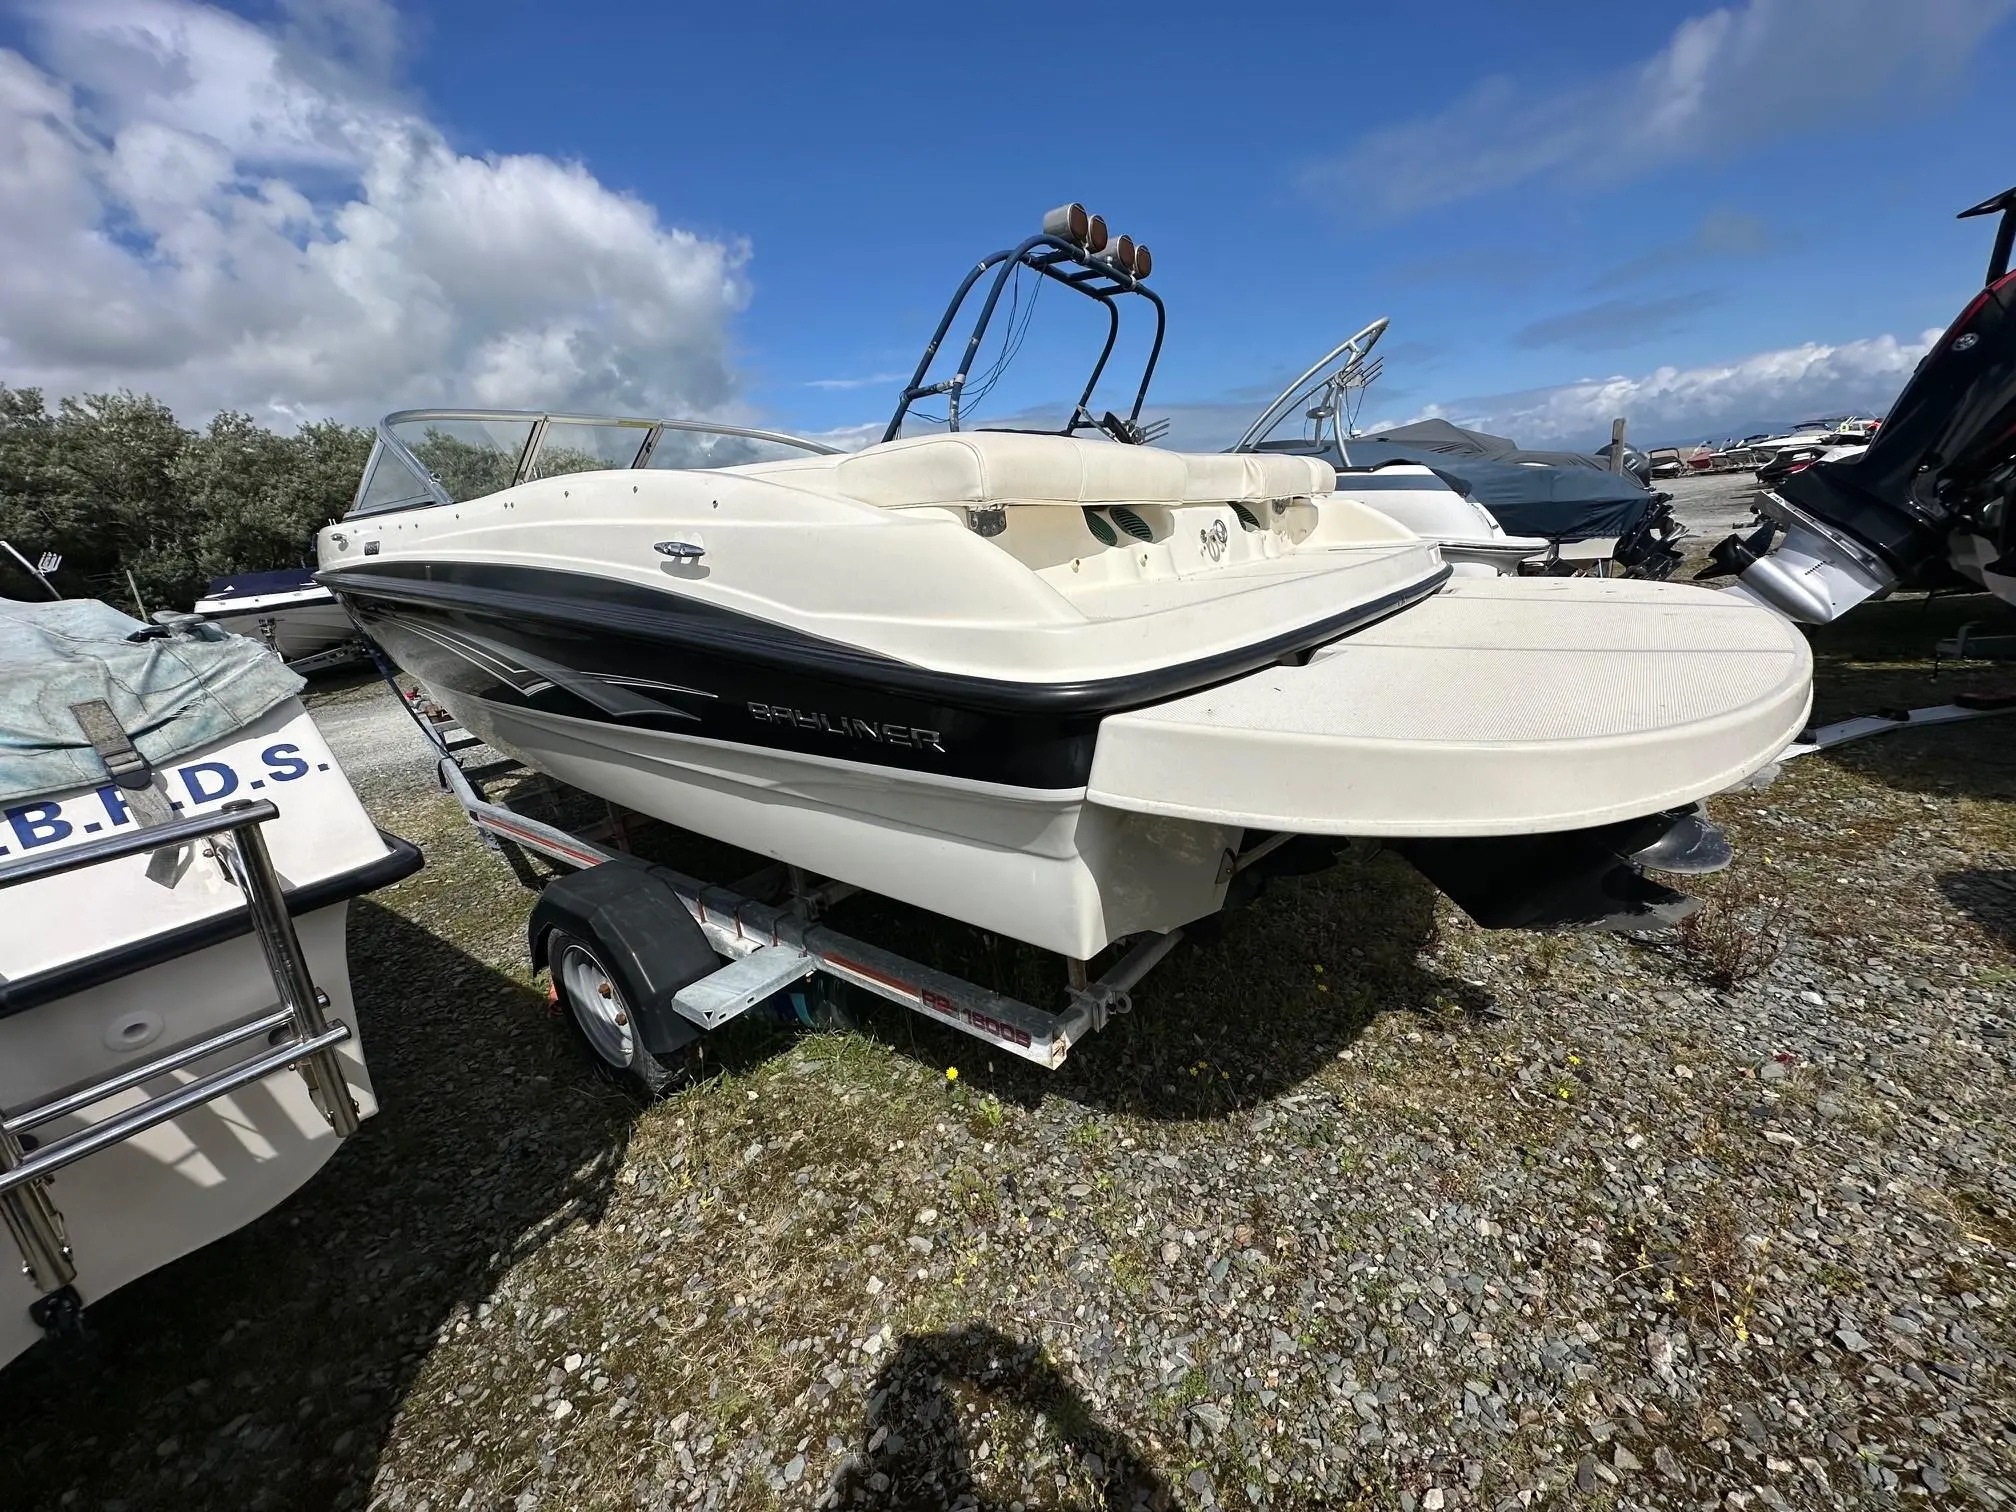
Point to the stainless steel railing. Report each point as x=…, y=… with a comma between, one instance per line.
x=295, y=1034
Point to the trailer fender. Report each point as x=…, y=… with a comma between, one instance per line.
x=633, y=919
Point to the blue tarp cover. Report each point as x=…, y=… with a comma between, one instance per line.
x=1566, y=497
x=174, y=695
x=1560, y=503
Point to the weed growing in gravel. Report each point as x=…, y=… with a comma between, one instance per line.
x=1546, y=953
x=1737, y=934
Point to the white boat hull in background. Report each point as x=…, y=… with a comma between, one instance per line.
x=296, y=625
x=1470, y=538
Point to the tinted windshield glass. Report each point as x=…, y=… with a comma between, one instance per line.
x=469, y=458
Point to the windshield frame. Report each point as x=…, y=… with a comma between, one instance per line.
x=388, y=440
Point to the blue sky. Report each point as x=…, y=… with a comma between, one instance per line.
x=1701, y=217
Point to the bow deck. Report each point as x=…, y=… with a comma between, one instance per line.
x=1497, y=707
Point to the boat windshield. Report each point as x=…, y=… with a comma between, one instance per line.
x=425, y=457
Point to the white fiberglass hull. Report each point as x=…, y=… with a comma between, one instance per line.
x=1469, y=537
x=137, y=1205
x=1460, y=717
x=1039, y=865
x=296, y=625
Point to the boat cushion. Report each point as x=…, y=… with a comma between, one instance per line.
x=1249, y=478
x=1006, y=467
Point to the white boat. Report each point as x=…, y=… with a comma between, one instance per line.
x=1323, y=398
x=1834, y=430
x=1049, y=685
x=1459, y=488
x=178, y=1046
x=287, y=611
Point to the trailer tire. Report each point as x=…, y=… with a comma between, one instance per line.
x=620, y=946
x=601, y=1016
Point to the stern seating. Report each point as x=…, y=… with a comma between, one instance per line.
x=1007, y=467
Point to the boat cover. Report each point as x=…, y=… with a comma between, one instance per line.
x=1560, y=503
x=1499, y=706
x=172, y=692
x=1457, y=441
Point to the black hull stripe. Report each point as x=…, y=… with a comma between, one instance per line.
x=401, y=860
x=586, y=603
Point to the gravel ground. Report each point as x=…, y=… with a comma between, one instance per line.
x=1361, y=1206
x=1711, y=506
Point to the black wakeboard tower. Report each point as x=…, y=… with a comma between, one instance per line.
x=2003, y=204
x=1076, y=250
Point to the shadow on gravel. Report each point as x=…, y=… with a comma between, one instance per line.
x=914, y=1452
x=1988, y=897
x=1242, y=1011
x=266, y=1370
x=1880, y=658
x=1247, y=1007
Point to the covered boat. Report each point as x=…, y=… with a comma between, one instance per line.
x=1559, y=506
x=285, y=610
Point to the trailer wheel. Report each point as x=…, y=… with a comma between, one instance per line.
x=602, y=1016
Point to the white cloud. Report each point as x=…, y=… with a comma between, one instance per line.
x=850, y=438
x=1674, y=404
x=1735, y=78
x=873, y=380
x=232, y=216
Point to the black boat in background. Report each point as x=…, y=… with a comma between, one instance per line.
x=1931, y=503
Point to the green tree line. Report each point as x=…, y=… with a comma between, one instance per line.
x=116, y=485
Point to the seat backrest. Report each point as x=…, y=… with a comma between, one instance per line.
x=1007, y=467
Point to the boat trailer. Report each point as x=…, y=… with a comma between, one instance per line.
x=768, y=948
x=1964, y=708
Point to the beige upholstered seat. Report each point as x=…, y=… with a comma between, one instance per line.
x=1228, y=477
x=1004, y=467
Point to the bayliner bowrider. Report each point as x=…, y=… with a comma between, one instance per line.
x=1049, y=685
x=1930, y=503
x=178, y=1048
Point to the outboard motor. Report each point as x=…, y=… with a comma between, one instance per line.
x=1941, y=469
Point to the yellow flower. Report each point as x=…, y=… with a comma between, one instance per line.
x=951, y=1073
